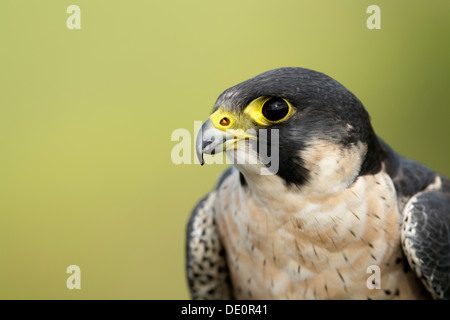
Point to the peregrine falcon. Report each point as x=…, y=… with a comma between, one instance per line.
x=339, y=204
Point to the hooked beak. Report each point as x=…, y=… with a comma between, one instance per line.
x=211, y=140
x=221, y=132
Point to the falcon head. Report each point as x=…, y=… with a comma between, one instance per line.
x=325, y=139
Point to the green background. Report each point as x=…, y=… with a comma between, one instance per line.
x=86, y=118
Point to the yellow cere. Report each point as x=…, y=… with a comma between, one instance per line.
x=222, y=119
x=239, y=126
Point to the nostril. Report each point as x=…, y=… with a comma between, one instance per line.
x=224, y=122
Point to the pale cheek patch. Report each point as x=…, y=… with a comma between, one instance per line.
x=333, y=167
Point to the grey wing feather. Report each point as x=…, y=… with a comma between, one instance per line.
x=426, y=237
x=206, y=266
x=424, y=200
x=408, y=176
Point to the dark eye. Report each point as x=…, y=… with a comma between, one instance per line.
x=275, y=109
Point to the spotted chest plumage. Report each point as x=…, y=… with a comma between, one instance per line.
x=317, y=248
x=206, y=267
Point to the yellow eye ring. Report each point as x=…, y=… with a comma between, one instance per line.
x=278, y=111
x=275, y=110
